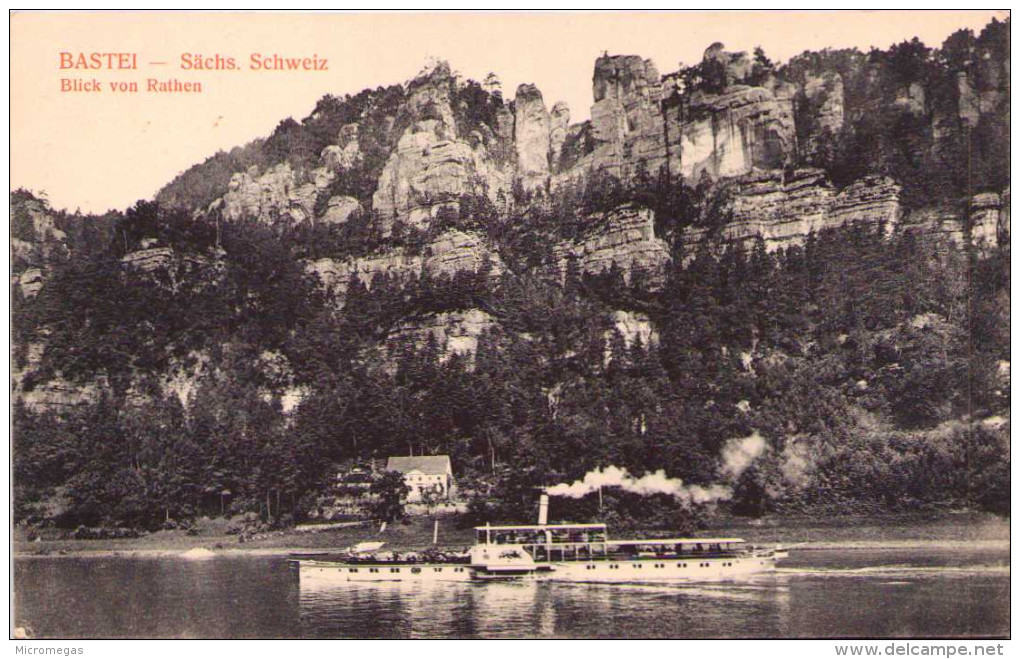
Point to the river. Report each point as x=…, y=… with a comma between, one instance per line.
x=816, y=593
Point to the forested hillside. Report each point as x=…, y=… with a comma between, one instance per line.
x=816, y=252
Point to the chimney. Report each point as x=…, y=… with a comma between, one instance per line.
x=543, y=510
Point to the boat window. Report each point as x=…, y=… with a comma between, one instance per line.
x=415, y=570
x=437, y=569
x=353, y=569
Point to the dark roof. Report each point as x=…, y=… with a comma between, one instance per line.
x=426, y=464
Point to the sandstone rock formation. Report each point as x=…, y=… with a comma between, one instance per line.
x=455, y=332
x=425, y=173
x=626, y=119
x=169, y=269
x=274, y=195
x=1004, y=218
x=35, y=237
x=642, y=121
x=989, y=219
x=559, y=126
x=57, y=395
x=731, y=133
x=977, y=100
x=941, y=225
x=531, y=137
x=431, y=166
x=625, y=237
x=339, y=209
x=449, y=253
x=784, y=210
x=346, y=153
x=336, y=276
x=428, y=98
x=735, y=66
x=149, y=260
x=30, y=282
x=825, y=95
x=911, y=98
x=871, y=200
x=634, y=326
x=457, y=251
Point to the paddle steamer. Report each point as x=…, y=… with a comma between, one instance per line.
x=555, y=552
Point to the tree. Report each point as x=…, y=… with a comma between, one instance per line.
x=761, y=69
x=391, y=492
x=432, y=497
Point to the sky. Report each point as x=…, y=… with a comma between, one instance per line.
x=96, y=151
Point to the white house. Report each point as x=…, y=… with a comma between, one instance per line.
x=424, y=473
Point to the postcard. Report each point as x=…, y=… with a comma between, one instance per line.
x=519, y=325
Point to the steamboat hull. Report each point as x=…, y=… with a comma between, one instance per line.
x=639, y=571
x=671, y=570
x=324, y=573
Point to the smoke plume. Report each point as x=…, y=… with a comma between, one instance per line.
x=797, y=464
x=737, y=456
x=739, y=453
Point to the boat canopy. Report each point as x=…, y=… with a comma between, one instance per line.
x=677, y=541
x=542, y=527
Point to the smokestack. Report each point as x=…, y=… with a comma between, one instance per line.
x=543, y=510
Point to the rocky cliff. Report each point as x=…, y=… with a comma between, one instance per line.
x=272, y=195
x=459, y=172
x=626, y=116
x=641, y=120
x=35, y=241
x=624, y=238
x=532, y=127
x=824, y=94
x=454, y=333
x=725, y=120
x=433, y=164
x=448, y=254
x=731, y=133
x=984, y=223
x=784, y=208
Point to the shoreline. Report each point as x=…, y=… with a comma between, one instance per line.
x=946, y=531
x=285, y=552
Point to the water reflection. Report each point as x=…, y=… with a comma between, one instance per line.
x=425, y=609
x=815, y=594
x=113, y=597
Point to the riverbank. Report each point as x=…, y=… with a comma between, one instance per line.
x=941, y=530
